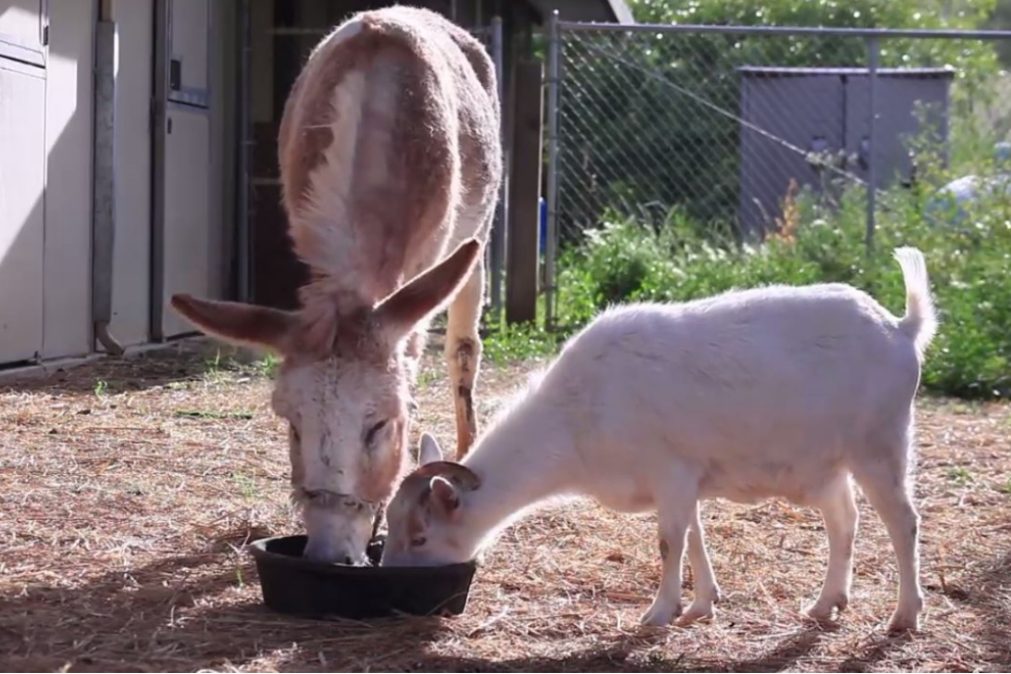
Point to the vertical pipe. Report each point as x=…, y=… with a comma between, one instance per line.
x=159, y=129
x=554, y=47
x=499, y=224
x=873, y=52
x=242, y=242
x=103, y=223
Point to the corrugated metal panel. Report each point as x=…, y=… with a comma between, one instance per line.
x=827, y=109
x=895, y=101
x=766, y=166
x=22, y=181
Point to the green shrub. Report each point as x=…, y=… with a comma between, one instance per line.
x=969, y=267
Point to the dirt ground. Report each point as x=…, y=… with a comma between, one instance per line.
x=128, y=488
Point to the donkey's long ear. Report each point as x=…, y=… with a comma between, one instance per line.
x=427, y=293
x=238, y=323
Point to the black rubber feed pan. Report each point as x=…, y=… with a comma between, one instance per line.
x=295, y=585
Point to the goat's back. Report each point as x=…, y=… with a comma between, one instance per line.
x=772, y=376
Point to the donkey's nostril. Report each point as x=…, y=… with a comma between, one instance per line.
x=348, y=560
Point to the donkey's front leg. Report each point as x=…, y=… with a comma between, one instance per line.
x=463, y=355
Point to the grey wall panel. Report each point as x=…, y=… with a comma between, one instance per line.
x=69, y=130
x=132, y=252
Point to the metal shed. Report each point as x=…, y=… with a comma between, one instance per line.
x=828, y=110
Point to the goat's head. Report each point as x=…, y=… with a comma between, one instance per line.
x=344, y=389
x=426, y=514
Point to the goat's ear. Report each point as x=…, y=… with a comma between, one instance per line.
x=430, y=451
x=239, y=323
x=426, y=293
x=445, y=498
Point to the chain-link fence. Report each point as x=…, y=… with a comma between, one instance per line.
x=718, y=125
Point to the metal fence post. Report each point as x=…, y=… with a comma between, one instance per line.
x=873, y=52
x=246, y=146
x=554, y=49
x=498, y=232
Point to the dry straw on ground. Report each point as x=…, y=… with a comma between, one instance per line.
x=128, y=488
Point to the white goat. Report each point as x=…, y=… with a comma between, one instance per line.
x=772, y=392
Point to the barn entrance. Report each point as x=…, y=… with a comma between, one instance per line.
x=281, y=35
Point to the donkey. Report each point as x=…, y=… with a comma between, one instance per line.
x=389, y=159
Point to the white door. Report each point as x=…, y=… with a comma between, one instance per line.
x=22, y=184
x=189, y=264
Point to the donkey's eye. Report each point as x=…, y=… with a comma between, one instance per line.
x=419, y=541
x=370, y=435
x=294, y=433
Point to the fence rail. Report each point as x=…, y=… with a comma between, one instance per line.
x=717, y=126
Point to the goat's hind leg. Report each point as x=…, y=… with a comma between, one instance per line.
x=884, y=480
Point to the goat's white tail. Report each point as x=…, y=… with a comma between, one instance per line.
x=920, y=321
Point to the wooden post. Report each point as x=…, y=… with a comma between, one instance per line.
x=522, y=261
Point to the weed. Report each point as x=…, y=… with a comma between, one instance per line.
x=960, y=475
x=513, y=343
x=267, y=366
x=246, y=485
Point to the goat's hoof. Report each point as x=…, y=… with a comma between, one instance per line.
x=821, y=610
x=660, y=615
x=906, y=616
x=697, y=612
x=902, y=622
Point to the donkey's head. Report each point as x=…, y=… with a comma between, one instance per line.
x=344, y=389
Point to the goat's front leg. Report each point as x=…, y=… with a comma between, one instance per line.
x=707, y=592
x=675, y=512
x=463, y=355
